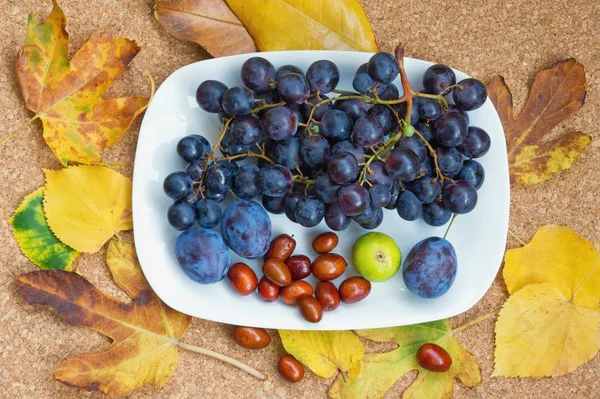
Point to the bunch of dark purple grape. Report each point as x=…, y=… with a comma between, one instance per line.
x=338, y=158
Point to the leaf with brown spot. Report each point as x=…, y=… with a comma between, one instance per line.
x=145, y=332
x=557, y=92
x=210, y=23
x=67, y=96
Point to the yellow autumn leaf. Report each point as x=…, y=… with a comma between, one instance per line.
x=306, y=25
x=550, y=324
x=540, y=332
x=560, y=256
x=325, y=352
x=86, y=205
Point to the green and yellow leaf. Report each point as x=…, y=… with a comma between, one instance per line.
x=380, y=371
x=86, y=205
x=325, y=352
x=68, y=95
x=317, y=25
x=36, y=240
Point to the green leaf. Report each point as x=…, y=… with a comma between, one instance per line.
x=380, y=371
x=36, y=240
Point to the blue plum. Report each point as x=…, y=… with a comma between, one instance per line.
x=202, y=255
x=246, y=228
x=430, y=268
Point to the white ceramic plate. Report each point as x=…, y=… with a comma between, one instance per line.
x=478, y=237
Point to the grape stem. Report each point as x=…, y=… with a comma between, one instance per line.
x=303, y=180
x=266, y=106
x=440, y=98
x=433, y=154
x=245, y=154
x=379, y=154
x=211, y=157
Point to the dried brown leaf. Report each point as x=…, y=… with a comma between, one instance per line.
x=210, y=23
x=557, y=92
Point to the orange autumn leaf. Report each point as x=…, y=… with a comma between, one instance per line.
x=67, y=96
x=145, y=332
x=210, y=23
x=557, y=92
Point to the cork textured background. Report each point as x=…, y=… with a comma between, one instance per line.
x=481, y=37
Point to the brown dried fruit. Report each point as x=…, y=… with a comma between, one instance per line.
x=251, y=337
x=325, y=242
x=276, y=271
x=282, y=247
x=329, y=266
x=297, y=289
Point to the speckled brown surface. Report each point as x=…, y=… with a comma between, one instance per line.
x=509, y=37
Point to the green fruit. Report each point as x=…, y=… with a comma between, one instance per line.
x=376, y=257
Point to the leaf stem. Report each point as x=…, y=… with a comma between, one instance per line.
x=226, y=359
x=13, y=134
x=474, y=321
x=516, y=238
x=344, y=375
x=152, y=85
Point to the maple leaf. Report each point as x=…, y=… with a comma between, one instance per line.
x=549, y=324
x=145, y=333
x=315, y=25
x=380, y=371
x=86, y=205
x=557, y=92
x=324, y=352
x=67, y=95
x=210, y=23
x=36, y=240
